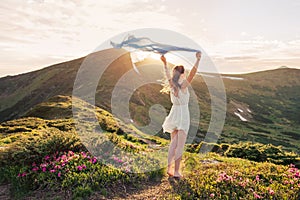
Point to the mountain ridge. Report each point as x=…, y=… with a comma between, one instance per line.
x=267, y=100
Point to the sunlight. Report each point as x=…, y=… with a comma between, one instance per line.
x=173, y=58
x=137, y=56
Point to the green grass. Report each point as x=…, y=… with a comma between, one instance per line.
x=51, y=131
x=232, y=178
x=48, y=141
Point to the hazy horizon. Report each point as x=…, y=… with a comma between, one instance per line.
x=43, y=67
x=240, y=37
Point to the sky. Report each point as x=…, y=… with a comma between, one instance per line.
x=240, y=36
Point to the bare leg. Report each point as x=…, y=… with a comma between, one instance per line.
x=179, y=150
x=172, y=148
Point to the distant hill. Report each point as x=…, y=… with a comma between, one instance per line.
x=261, y=107
x=20, y=93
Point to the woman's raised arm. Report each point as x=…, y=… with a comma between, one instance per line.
x=166, y=69
x=193, y=71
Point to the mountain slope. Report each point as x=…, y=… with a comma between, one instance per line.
x=19, y=93
x=261, y=107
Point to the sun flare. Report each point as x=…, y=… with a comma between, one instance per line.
x=172, y=58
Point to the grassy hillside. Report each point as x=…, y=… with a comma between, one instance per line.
x=42, y=157
x=22, y=92
x=268, y=100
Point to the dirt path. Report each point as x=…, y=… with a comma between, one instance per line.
x=164, y=188
x=4, y=192
x=150, y=190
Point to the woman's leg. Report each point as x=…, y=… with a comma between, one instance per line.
x=172, y=148
x=179, y=150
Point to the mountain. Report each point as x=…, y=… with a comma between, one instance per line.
x=20, y=93
x=261, y=106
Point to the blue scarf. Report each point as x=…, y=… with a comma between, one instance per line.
x=146, y=44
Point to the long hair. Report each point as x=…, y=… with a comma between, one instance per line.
x=177, y=71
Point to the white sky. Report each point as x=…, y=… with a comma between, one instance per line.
x=239, y=35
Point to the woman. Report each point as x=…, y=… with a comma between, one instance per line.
x=178, y=121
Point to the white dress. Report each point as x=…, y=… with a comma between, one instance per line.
x=179, y=116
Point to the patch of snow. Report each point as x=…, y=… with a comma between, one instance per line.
x=233, y=78
x=207, y=75
x=240, y=110
x=229, y=77
x=249, y=110
x=240, y=116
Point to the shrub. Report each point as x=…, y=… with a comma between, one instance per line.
x=33, y=150
x=261, y=153
x=238, y=179
x=204, y=147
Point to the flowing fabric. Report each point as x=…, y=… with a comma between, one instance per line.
x=146, y=44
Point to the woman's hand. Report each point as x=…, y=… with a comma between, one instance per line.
x=198, y=55
x=163, y=58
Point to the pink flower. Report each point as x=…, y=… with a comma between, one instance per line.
x=94, y=160
x=271, y=192
x=79, y=168
x=23, y=174
x=33, y=164
x=292, y=165
x=243, y=183
x=47, y=157
x=35, y=169
x=115, y=158
x=212, y=195
x=57, y=167
x=59, y=174
x=256, y=195
x=83, y=166
x=83, y=154
x=43, y=165
x=52, y=170
x=224, y=177
x=64, y=157
x=44, y=169
x=257, y=177
x=292, y=170
x=70, y=153
x=127, y=169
